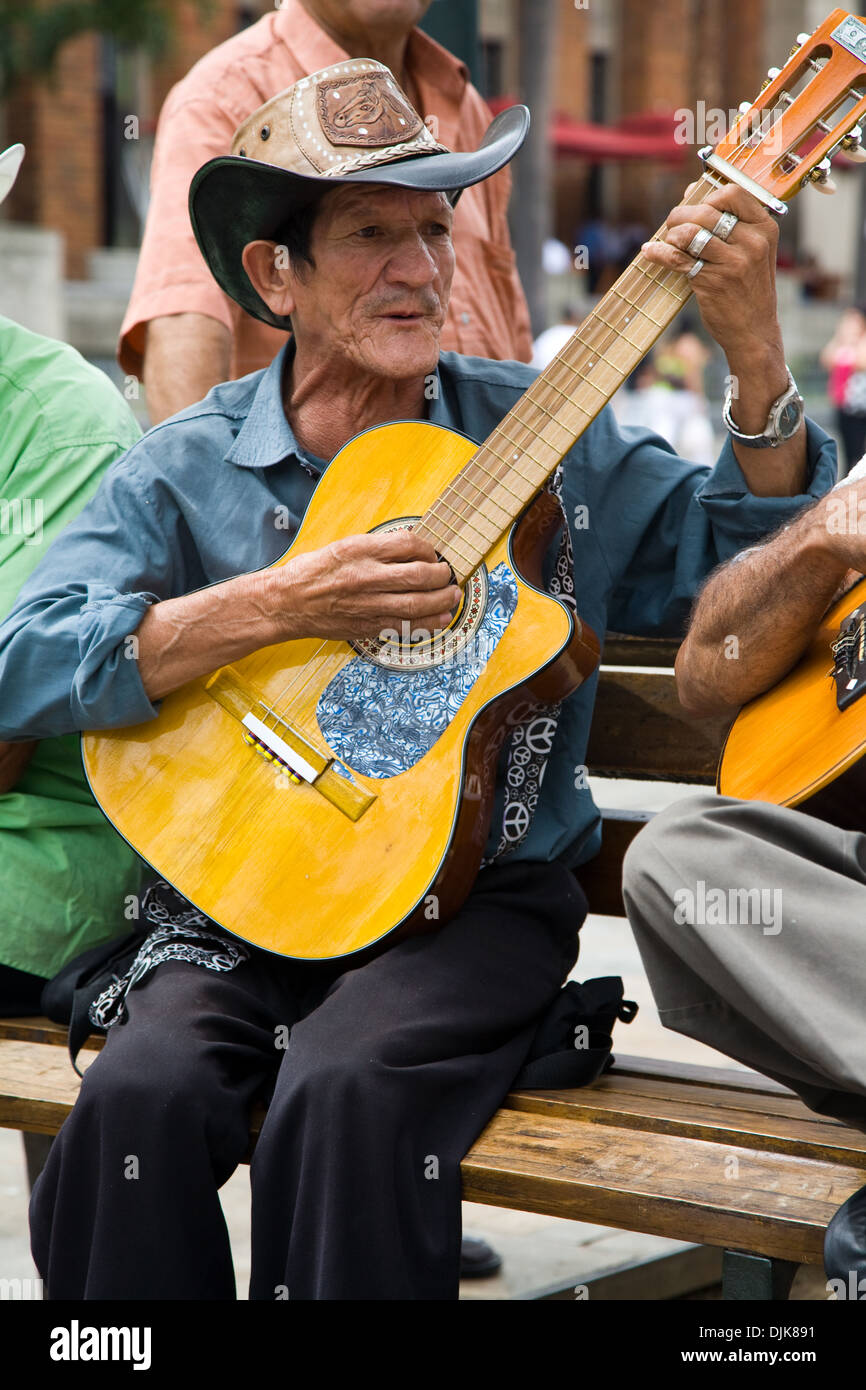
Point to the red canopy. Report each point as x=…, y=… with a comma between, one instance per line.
x=646, y=135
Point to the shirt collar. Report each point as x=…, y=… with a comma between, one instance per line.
x=266, y=437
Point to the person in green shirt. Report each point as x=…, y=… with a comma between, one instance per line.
x=64, y=871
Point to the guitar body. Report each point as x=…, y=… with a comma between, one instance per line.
x=391, y=835
x=793, y=746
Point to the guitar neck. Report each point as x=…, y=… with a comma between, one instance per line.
x=516, y=460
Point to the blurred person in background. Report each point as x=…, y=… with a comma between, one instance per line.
x=181, y=334
x=553, y=339
x=668, y=395
x=844, y=358
x=64, y=871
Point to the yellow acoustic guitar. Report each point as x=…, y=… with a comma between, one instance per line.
x=319, y=795
x=801, y=744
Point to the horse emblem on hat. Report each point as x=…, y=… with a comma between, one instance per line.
x=369, y=110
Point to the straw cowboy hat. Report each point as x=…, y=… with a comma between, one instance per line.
x=10, y=163
x=350, y=123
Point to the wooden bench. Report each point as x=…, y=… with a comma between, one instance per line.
x=722, y=1158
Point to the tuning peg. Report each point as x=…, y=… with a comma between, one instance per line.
x=744, y=106
x=803, y=38
x=852, y=147
x=773, y=73
x=819, y=177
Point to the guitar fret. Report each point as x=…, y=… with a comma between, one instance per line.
x=492, y=476
x=620, y=329
x=522, y=453
x=583, y=376
x=524, y=424
x=566, y=396
x=646, y=313
x=452, y=543
x=602, y=356
x=549, y=415
x=518, y=421
x=477, y=512
x=479, y=489
x=471, y=560
x=668, y=289
x=442, y=501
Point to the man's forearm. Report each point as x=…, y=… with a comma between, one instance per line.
x=185, y=355
x=181, y=639
x=756, y=616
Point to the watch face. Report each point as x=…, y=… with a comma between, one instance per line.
x=789, y=418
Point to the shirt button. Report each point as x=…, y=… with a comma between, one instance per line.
x=465, y=318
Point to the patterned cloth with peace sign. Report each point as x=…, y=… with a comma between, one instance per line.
x=532, y=739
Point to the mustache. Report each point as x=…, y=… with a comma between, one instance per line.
x=426, y=303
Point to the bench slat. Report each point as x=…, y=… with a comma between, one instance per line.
x=658, y=1184
x=719, y=1117
x=37, y=1086
x=620, y=650
x=42, y=1030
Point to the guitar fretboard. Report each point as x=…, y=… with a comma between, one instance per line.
x=516, y=460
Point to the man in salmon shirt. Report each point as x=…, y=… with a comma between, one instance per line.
x=181, y=333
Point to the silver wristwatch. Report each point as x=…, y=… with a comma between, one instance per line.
x=785, y=417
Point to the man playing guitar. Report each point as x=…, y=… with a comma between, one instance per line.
x=784, y=996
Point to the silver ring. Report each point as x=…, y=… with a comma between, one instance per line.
x=695, y=270
x=698, y=242
x=725, y=225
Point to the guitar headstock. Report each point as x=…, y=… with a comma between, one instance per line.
x=805, y=113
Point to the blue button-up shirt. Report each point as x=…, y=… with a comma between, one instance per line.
x=221, y=488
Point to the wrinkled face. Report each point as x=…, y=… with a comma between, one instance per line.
x=378, y=291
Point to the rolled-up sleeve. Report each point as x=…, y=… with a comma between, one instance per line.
x=738, y=517
x=662, y=524
x=68, y=660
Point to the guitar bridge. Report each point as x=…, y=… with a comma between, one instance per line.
x=849, y=653
x=279, y=743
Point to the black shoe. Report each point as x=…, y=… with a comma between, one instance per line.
x=478, y=1260
x=845, y=1247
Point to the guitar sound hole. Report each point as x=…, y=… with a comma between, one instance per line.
x=416, y=646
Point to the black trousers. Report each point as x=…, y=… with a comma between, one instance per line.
x=852, y=430
x=20, y=992
x=391, y=1071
